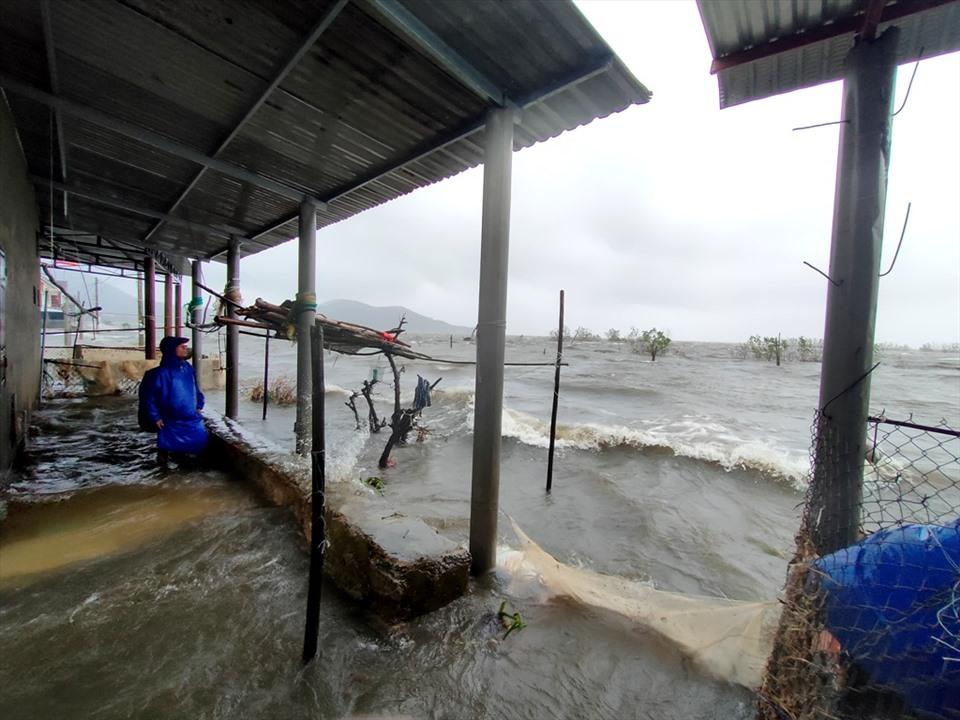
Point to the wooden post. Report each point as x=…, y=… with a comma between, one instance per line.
x=556, y=397
x=266, y=373
x=318, y=483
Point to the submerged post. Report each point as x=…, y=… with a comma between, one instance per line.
x=149, y=308
x=266, y=374
x=178, y=308
x=491, y=337
x=556, y=398
x=196, y=312
x=233, y=331
x=859, y=204
x=317, y=499
x=167, y=304
x=306, y=309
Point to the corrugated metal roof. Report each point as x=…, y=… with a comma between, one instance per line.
x=365, y=115
x=767, y=47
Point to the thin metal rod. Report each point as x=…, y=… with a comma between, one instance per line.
x=113, y=330
x=556, y=398
x=902, y=233
x=317, y=491
x=266, y=373
x=43, y=336
x=915, y=426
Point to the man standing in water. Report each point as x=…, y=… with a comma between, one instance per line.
x=170, y=402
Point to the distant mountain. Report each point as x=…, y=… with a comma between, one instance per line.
x=384, y=318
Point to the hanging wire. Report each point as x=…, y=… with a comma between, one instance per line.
x=910, y=84
x=902, y=233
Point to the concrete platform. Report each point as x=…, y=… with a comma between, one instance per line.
x=396, y=565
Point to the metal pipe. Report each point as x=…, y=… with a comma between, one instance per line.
x=318, y=530
x=233, y=331
x=491, y=338
x=43, y=339
x=178, y=309
x=167, y=305
x=868, y=89
x=149, y=308
x=196, y=306
x=556, y=398
x=306, y=315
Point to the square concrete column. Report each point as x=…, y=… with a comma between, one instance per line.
x=306, y=309
x=491, y=338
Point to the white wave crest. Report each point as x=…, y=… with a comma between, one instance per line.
x=699, y=439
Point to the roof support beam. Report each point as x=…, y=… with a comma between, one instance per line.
x=68, y=107
x=54, y=88
x=407, y=24
x=135, y=209
x=601, y=65
x=295, y=57
x=852, y=24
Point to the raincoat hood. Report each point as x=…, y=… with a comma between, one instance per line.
x=168, y=348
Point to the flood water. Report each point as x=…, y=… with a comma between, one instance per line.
x=126, y=591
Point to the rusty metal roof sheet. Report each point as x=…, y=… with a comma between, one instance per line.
x=181, y=123
x=766, y=47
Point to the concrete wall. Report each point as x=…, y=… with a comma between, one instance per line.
x=20, y=354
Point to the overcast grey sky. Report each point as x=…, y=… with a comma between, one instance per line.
x=672, y=214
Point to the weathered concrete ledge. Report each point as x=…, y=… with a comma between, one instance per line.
x=397, y=565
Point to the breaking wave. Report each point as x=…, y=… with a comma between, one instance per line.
x=697, y=439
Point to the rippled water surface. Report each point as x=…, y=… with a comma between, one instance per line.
x=130, y=592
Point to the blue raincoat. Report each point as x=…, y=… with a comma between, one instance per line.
x=169, y=393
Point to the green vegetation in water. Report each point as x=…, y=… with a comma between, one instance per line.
x=511, y=621
x=376, y=483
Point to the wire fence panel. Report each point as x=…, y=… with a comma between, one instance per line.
x=871, y=627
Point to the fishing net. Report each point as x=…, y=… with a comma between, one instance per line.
x=871, y=618
x=727, y=639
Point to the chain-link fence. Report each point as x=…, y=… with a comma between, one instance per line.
x=76, y=378
x=871, y=617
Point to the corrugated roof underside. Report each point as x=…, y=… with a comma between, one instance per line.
x=361, y=102
x=735, y=25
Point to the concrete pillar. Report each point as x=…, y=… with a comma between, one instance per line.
x=195, y=320
x=149, y=308
x=233, y=332
x=859, y=205
x=178, y=308
x=167, y=305
x=306, y=316
x=491, y=335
